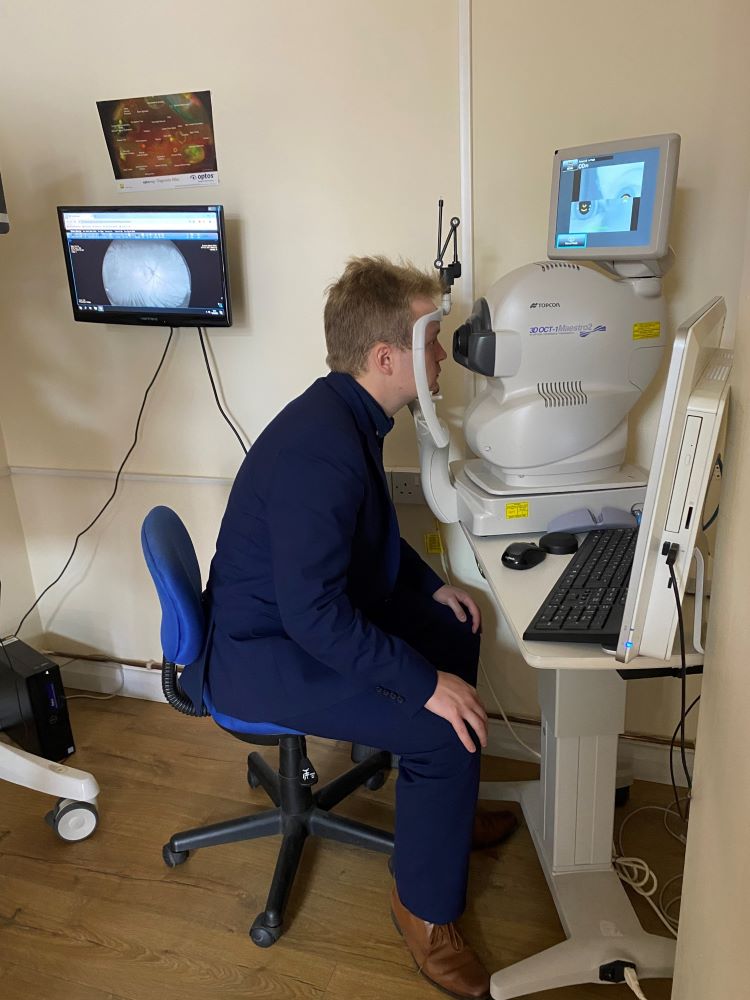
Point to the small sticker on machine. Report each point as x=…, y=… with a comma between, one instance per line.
x=516, y=510
x=433, y=543
x=646, y=331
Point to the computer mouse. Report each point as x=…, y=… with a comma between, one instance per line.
x=522, y=555
x=559, y=543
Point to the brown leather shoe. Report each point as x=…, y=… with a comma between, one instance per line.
x=441, y=955
x=489, y=830
x=492, y=828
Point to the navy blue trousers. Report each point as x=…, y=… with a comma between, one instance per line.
x=438, y=779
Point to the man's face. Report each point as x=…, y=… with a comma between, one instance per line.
x=433, y=351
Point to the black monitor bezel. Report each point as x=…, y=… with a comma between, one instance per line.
x=147, y=317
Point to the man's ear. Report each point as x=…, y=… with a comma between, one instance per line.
x=381, y=358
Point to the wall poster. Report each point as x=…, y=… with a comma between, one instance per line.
x=161, y=141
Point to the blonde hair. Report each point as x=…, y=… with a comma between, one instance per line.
x=371, y=303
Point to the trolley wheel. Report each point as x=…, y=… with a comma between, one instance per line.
x=72, y=820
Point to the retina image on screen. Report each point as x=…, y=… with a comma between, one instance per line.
x=147, y=265
x=146, y=274
x=609, y=199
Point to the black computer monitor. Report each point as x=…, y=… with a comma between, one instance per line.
x=163, y=266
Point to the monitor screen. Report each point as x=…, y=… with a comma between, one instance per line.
x=162, y=266
x=612, y=201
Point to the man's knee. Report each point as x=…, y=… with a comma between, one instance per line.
x=445, y=756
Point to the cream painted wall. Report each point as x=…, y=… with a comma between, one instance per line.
x=332, y=123
x=715, y=911
x=544, y=79
x=15, y=575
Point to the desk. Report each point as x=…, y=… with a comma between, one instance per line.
x=570, y=809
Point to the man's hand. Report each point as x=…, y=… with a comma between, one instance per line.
x=457, y=702
x=458, y=600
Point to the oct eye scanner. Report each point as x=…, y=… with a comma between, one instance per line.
x=566, y=347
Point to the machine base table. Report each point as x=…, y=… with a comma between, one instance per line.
x=595, y=912
x=570, y=810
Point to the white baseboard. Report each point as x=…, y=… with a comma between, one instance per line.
x=113, y=678
x=500, y=742
x=637, y=758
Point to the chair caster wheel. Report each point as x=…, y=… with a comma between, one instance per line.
x=376, y=781
x=173, y=858
x=262, y=933
x=72, y=820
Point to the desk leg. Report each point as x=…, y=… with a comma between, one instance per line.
x=570, y=814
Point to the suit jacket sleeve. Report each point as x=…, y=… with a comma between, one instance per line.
x=312, y=517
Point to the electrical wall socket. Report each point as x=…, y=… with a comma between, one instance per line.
x=406, y=486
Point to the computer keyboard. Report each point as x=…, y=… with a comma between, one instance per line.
x=587, y=602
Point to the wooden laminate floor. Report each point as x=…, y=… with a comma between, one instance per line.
x=104, y=919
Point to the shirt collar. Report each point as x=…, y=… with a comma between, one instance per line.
x=370, y=414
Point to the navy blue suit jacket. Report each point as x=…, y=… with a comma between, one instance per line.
x=308, y=552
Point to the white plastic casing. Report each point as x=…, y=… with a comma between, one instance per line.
x=694, y=401
x=437, y=429
x=575, y=349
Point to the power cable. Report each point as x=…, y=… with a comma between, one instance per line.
x=216, y=394
x=485, y=673
x=683, y=672
x=114, y=490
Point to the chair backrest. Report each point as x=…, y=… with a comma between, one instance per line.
x=173, y=565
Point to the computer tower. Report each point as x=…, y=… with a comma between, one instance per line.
x=33, y=708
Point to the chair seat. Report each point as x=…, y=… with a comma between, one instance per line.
x=242, y=725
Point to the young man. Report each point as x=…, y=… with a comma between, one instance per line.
x=326, y=621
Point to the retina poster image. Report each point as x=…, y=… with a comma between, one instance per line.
x=161, y=141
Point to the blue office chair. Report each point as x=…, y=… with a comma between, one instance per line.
x=298, y=811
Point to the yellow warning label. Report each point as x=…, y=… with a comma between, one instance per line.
x=516, y=510
x=646, y=331
x=433, y=543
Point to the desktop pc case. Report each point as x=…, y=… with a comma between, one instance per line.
x=33, y=709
